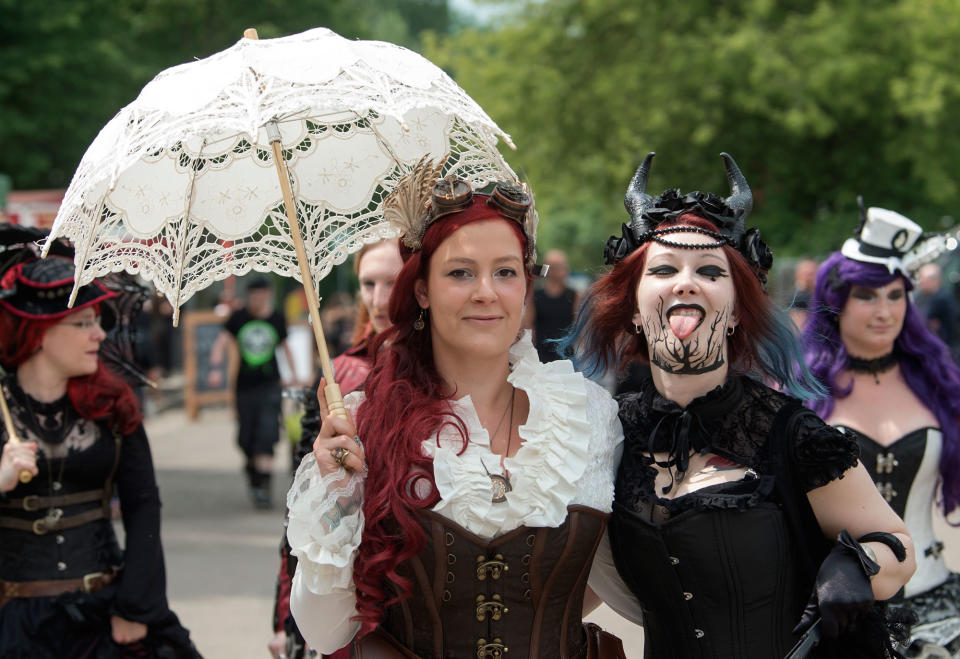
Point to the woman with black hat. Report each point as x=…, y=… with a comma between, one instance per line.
x=74, y=435
x=739, y=517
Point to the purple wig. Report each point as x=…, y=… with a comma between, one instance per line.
x=925, y=361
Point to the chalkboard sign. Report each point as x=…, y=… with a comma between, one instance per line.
x=200, y=330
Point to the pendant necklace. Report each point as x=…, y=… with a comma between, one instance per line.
x=873, y=366
x=500, y=485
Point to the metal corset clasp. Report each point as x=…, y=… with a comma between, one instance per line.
x=496, y=567
x=495, y=649
x=494, y=608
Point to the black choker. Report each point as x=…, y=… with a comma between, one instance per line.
x=874, y=366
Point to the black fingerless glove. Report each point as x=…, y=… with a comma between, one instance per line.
x=842, y=590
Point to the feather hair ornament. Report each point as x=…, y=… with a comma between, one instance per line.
x=407, y=207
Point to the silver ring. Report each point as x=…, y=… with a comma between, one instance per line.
x=282, y=655
x=356, y=438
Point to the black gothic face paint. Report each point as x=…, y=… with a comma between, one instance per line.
x=701, y=351
x=685, y=303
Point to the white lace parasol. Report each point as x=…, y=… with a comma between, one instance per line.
x=181, y=186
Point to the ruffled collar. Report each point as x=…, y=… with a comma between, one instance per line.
x=545, y=469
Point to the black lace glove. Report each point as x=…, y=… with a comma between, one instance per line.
x=842, y=591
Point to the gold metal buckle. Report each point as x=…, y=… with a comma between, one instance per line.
x=28, y=502
x=88, y=581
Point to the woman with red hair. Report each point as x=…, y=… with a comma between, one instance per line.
x=733, y=502
x=66, y=587
x=459, y=514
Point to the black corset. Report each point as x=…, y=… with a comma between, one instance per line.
x=714, y=583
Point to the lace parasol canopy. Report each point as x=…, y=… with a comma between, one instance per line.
x=181, y=187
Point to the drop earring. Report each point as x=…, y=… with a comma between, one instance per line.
x=731, y=330
x=418, y=324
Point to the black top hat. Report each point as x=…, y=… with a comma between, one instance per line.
x=40, y=290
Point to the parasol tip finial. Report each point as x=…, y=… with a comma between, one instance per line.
x=250, y=33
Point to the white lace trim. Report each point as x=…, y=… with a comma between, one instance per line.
x=322, y=537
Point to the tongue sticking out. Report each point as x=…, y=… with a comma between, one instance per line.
x=682, y=325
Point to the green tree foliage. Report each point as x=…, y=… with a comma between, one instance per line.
x=67, y=66
x=819, y=101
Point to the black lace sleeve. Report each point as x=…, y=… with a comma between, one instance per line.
x=821, y=452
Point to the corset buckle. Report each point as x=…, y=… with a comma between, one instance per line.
x=495, y=649
x=494, y=608
x=496, y=567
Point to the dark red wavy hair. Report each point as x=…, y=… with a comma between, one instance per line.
x=405, y=404
x=101, y=396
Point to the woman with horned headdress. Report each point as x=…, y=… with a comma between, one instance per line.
x=456, y=513
x=740, y=518
x=892, y=386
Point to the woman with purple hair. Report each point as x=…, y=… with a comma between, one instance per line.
x=892, y=385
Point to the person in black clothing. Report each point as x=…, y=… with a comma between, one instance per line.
x=553, y=307
x=74, y=435
x=739, y=517
x=257, y=330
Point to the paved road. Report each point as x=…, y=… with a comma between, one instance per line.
x=222, y=555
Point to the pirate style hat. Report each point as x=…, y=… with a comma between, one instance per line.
x=39, y=289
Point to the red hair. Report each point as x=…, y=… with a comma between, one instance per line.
x=100, y=396
x=612, y=302
x=405, y=404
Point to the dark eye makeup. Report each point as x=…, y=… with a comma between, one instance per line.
x=712, y=271
x=661, y=270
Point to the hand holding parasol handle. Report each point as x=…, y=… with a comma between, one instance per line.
x=25, y=476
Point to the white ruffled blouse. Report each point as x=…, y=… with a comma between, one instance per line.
x=570, y=451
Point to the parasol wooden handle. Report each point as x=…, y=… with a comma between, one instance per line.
x=332, y=390
x=25, y=476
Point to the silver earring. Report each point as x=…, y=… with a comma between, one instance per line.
x=731, y=330
x=418, y=324
x=636, y=328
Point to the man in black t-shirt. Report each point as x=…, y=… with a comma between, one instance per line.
x=257, y=330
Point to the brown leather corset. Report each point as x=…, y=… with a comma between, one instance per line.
x=520, y=593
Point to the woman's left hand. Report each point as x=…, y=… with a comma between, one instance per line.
x=125, y=631
x=842, y=591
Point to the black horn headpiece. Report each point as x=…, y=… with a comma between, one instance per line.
x=729, y=217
